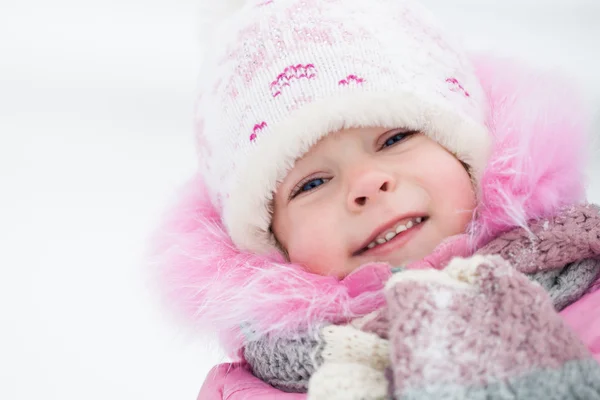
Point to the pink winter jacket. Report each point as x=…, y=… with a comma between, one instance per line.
x=536, y=167
x=236, y=382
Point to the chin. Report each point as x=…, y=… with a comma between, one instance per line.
x=406, y=256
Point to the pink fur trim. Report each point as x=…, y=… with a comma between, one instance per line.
x=536, y=167
x=538, y=125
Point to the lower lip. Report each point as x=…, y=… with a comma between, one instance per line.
x=397, y=242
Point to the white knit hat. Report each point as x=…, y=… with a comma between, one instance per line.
x=281, y=74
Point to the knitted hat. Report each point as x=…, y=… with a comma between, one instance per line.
x=281, y=74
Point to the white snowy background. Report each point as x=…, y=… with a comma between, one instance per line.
x=96, y=105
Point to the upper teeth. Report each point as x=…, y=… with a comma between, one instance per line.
x=389, y=235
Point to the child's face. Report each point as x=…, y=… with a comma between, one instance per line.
x=356, y=187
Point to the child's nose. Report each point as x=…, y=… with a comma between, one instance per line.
x=367, y=186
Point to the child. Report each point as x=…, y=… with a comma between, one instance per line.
x=339, y=139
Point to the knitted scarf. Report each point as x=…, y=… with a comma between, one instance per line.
x=485, y=326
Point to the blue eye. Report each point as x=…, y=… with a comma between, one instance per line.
x=312, y=184
x=398, y=137
x=308, y=186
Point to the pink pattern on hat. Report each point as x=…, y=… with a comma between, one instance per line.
x=300, y=101
x=349, y=79
x=236, y=49
x=257, y=129
x=317, y=28
x=231, y=89
x=455, y=86
x=293, y=72
x=257, y=47
x=248, y=56
x=314, y=34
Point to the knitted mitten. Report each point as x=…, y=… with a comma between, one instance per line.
x=353, y=366
x=479, y=329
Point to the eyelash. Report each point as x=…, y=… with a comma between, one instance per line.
x=299, y=188
x=402, y=135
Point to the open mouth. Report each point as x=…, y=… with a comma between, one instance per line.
x=400, y=229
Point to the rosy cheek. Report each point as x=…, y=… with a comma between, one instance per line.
x=465, y=195
x=318, y=252
x=460, y=202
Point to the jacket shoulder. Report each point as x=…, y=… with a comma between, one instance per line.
x=234, y=381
